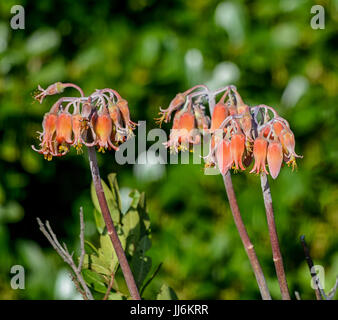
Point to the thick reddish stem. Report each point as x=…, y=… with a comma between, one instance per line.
x=249, y=248
x=276, y=253
x=110, y=226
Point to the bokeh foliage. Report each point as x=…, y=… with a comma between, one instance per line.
x=150, y=50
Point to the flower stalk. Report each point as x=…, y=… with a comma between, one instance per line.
x=249, y=248
x=101, y=120
x=276, y=253
x=110, y=225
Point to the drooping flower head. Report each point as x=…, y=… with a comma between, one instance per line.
x=101, y=120
x=238, y=133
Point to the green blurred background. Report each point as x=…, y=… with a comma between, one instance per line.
x=149, y=50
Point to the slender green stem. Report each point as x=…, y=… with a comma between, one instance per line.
x=276, y=253
x=110, y=226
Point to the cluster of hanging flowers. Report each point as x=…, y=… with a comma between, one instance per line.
x=237, y=133
x=101, y=120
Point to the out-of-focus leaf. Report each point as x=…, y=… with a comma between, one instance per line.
x=12, y=212
x=115, y=189
x=166, y=293
x=115, y=296
x=131, y=229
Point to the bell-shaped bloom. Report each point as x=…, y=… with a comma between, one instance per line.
x=245, y=120
x=47, y=137
x=186, y=129
x=118, y=130
x=174, y=105
x=237, y=146
x=122, y=104
x=78, y=125
x=287, y=140
x=275, y=158
x=277, y=128
x=183, y=131
x=103, y=127
x=259, y=152
x=219, y=114
x=223, y=156
x=64, y=128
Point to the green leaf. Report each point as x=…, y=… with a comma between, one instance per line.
x=96, y=264
x=131, y=229
x=112, y=205
x=115, y=190
x=140, y=263
x=166, y=293
x=115, y=296
x=145, y=228
x=91, y=246
x=135, y=195
x=94, y=280
x=99, y=221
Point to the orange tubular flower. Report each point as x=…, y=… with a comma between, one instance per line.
x=219, y=114
x=115, y=115
x=64, y=131
x=186, y=126
x=174, y=105
x=46, y=137
x=287, y=140
x=259, y=151
x=122, y=104
x=237, y=150
x=182, y=132
x=223, y=156
x=277, y=127
x=78, y=126
x=103, y=127
x=275, y=158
